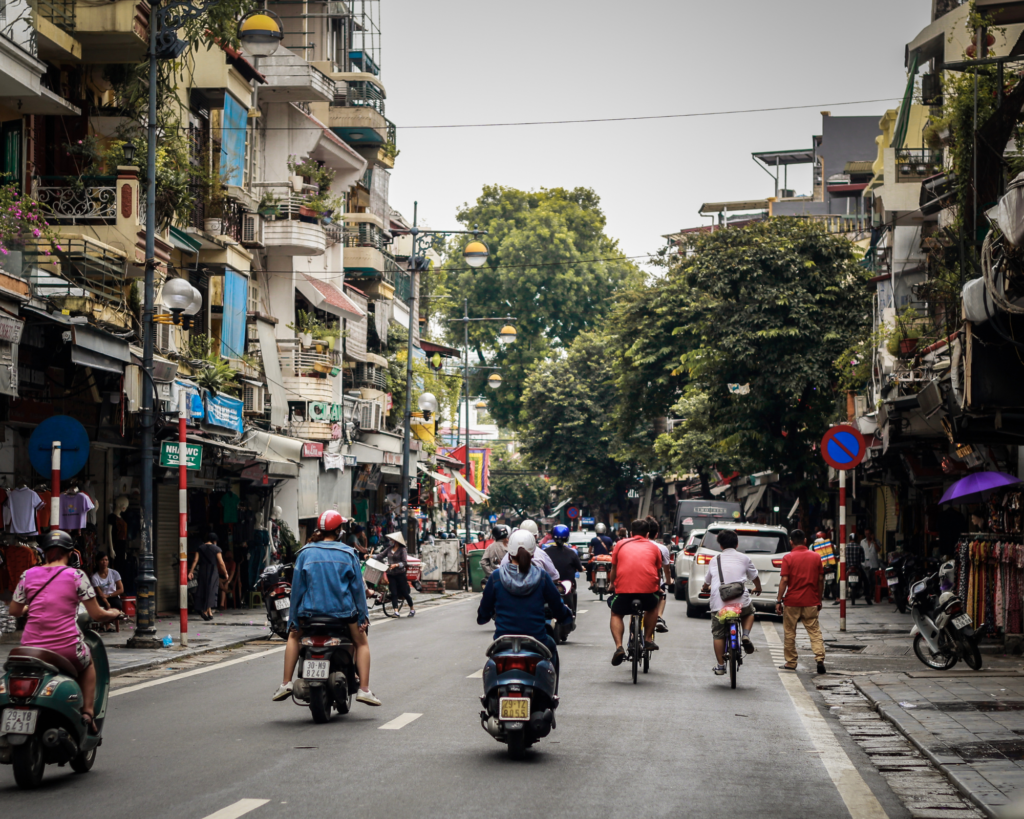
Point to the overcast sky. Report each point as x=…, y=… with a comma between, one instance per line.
x=455, y=61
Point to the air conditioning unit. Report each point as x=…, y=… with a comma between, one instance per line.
x=254, y=399
x=252, y=230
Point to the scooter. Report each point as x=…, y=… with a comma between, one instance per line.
x=41, y=712
x=602, y=565
x=519, y=692
x=276, y=590
x=561, y=632
x=943, y=632
x=327, y=672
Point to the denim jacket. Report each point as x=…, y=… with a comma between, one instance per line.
x=328, y=580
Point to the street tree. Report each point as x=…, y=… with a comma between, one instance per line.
x=551, y=265
x=514, y=486
x=566, y=425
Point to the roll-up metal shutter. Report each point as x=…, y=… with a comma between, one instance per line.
x=165, y=547
x=309, y=506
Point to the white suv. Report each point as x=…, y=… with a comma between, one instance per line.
x=764, y=545
x=684, y=562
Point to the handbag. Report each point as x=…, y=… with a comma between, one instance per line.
x=728, y=591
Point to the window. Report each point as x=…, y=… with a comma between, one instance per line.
x=752, y=541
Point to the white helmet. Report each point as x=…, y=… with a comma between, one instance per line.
x=600, y=529
x=529, y=526
x=521, y=539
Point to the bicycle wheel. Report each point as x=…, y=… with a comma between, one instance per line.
x=635, y=641
x=732, y=668
x=392, y=609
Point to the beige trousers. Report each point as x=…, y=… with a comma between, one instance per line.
x=808, y=615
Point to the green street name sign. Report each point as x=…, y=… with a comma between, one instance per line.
x=169, y=455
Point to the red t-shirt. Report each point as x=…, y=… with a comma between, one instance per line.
x=637, y=563
x=803, y=569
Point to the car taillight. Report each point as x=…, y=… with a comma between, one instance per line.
x=777, y=562
x=672, y=559
x=675, y=540
x=704, y=559
x=24, y=686
x=507, y=663
x=319, y=641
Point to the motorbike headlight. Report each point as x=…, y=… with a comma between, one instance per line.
x=919, y=587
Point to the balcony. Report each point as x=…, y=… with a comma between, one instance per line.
x=291, y=79
x=59, y=12
x=93, y=201
x=112, y=32
x=915, y=164
x=306, y=373
x=372, y=264
x=854, y=224
x=358, y=126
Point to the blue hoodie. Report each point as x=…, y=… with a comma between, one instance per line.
x=516, y=601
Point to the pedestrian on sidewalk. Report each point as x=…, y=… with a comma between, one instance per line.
x=801, y=586
x=855, y=566
x=871, y=564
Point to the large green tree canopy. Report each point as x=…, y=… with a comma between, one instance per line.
x=550, y=265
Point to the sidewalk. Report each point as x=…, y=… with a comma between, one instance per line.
x=228, y=629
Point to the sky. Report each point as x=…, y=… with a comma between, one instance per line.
x=455, y=62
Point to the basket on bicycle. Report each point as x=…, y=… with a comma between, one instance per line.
x=374, y=570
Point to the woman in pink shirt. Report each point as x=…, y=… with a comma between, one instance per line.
x=50, y=594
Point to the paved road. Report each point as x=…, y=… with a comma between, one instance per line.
x=680, y=743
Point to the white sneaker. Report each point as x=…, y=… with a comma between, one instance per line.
x=283, y=692
x=367, y=697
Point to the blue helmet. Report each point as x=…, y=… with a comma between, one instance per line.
x=560, y=532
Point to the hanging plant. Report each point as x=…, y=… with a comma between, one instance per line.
x=22, y=223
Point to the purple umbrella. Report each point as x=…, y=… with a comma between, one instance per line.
x=977, y=487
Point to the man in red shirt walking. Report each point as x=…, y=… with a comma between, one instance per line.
x=801, y=587
x=635, y=575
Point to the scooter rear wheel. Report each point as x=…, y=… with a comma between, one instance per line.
x=940, y=662
x=82, y=762
x=969, y=651
x=516, y=743
x=29, y=763
x=320, y=704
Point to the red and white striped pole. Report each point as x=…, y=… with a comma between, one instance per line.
x=182, y=517
x=55, y=486
x=842, y=550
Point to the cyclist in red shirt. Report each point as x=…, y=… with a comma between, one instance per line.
x=635, y=575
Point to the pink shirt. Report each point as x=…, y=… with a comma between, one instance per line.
x=52, y=613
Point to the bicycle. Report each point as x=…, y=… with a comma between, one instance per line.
x=734, y=650
x=636, y=638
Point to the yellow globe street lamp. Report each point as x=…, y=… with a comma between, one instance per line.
x=494, y=381
x=507, y=334
x=475, y=254
x=260, y=32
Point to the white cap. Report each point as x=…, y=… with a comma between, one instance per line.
x=521, y=539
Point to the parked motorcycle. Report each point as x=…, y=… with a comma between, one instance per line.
x=519, y=692
x=41, y=712
x=275, y=587
x=602, y=566
x=943, y=632
x=327, y=672
x=902, y=574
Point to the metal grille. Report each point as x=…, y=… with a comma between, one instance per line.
x=59, y=12
x=371, y=375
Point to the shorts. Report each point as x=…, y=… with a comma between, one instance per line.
x=78, y=655
x=622, y=604
x=720, y=629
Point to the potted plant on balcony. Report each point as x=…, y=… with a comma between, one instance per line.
x=327, y=334
x=269, y=207
x=23, y=222
x=304, y=327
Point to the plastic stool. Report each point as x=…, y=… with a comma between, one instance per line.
x=252, y=596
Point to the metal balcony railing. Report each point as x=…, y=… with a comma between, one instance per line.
x=917, y=163
x=392, y=132
x=842, y=222
x=366, y=95
x=403, y=286
x=89, y=199
x=365, y=234
x=366, y=180
x=296, y=361
x=59, y=12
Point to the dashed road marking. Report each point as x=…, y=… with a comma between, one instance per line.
x=399, y=722
x=859, y=799
x=476, y=675
x=240, y=808
x=583, y=611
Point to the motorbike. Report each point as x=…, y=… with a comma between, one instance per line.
x=275, y=587
x=519, y=692
x=943, y=632
x=601, y=568
x=902, y=574
x=327, y=671
x=414, y=573
x=561, y=632
x=41, y=711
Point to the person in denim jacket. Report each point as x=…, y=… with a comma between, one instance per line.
x=327, y=581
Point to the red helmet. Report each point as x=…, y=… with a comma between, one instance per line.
x=330, y=521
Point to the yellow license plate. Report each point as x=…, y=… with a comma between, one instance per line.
x=514, y=709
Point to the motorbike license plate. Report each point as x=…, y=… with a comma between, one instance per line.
x=282, y=603
x=963, y=621
x=830, y=576
x=854, y=580
x=315, y=670
x=515, y=709
x=893, y=581
x=19, y=721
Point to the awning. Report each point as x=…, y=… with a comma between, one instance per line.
x=447, y=460
x=709, y=208
x=198, y=439
x=185, y=243
x=430, y=347
x=163, y=370
x=327, y=297
x=269, y=446
x=754, y=499
x=474, y=494
x=560, y=507
x=437, y=476
x=92, y=347
x=800, y=156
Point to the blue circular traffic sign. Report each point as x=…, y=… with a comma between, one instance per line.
x=74, y=446
x=843, y=447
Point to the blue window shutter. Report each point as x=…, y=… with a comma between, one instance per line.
x=232, y=332
x=232, y=145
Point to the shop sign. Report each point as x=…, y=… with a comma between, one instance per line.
x=256, y=472
x=351, y=460
x=10, y=329
x=223, y=411
x=169, y=455
x=392, y=458
x=587, y=521
x=312, y=449
x=324, y=411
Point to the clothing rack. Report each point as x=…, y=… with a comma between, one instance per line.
x=990, y=579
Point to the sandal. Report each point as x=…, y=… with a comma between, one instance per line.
x=90, y=722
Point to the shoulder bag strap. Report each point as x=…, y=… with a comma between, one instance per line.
x=721, y=577
x=49, y=580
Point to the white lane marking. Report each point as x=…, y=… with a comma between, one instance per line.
x=476, y=675
x=240, y=808
x=583, y=611
x=859, y=799
x=217, y=666
x=399, y=722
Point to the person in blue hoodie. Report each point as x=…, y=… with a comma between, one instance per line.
x=516, y=593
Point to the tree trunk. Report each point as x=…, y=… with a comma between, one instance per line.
x=705, y=485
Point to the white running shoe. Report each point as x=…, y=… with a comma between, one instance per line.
x=367, y=697
x=283, y=692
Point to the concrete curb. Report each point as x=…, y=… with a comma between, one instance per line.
x=962, y=775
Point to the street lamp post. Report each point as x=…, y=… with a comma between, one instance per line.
x=166, y=19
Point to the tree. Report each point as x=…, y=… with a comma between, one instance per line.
x=566, y=425
x=550, y=265
x=511, y=489
x=772, y=306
